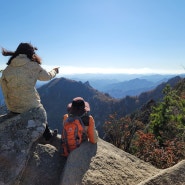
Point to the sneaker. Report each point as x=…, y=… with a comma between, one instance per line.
x=54, y=135
x=55, y=132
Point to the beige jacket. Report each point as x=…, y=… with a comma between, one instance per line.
x=18, y=83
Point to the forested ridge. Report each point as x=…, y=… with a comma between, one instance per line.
x=154, y=133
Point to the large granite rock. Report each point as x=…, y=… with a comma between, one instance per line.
x=17, y=134
x=170, y=176
x=104, y=163
x=44, y=167
x=26, y=159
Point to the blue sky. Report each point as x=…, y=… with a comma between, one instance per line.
x=105, y=36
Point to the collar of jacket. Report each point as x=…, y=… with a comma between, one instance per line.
x=20, y=60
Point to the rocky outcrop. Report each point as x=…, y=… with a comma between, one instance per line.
x=26, y=159
x=104, y=163
x=44, y=167
x=17, y=136
x=171, y=176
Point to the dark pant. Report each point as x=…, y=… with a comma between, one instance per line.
x=47, y=133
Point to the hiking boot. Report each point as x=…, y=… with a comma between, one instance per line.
x=55, y=140
x=54, y=135
x=49, y=138
x=55, y=132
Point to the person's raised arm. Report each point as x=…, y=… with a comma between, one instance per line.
x=45, y=76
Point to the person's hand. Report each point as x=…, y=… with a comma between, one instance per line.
x=56, y=69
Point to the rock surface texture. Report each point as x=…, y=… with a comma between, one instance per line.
x=17, y=135
x=171, y=176
x=104, y=164
x=26, y=159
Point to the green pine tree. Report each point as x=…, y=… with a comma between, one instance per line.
x=167, y=120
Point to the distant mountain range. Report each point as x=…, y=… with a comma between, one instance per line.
x=56, y=95
x=119, y=77
x=122, y=85
x=117, y=88
x=130, y=88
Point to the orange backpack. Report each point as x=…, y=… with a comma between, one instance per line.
x=73, y=134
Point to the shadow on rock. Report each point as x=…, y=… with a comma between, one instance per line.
x=44, y=167
x=78, y=163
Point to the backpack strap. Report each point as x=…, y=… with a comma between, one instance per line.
x=65, y=140
x=84, y=134
x=71, y=118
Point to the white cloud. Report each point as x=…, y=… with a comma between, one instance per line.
x=81, y=70
x=68, y=70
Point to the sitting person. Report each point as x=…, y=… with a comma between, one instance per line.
x=18, y=82
x=78, y=126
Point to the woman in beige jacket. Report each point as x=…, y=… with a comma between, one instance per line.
x=19, y=78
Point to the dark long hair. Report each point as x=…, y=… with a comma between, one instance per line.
x=24, y=48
